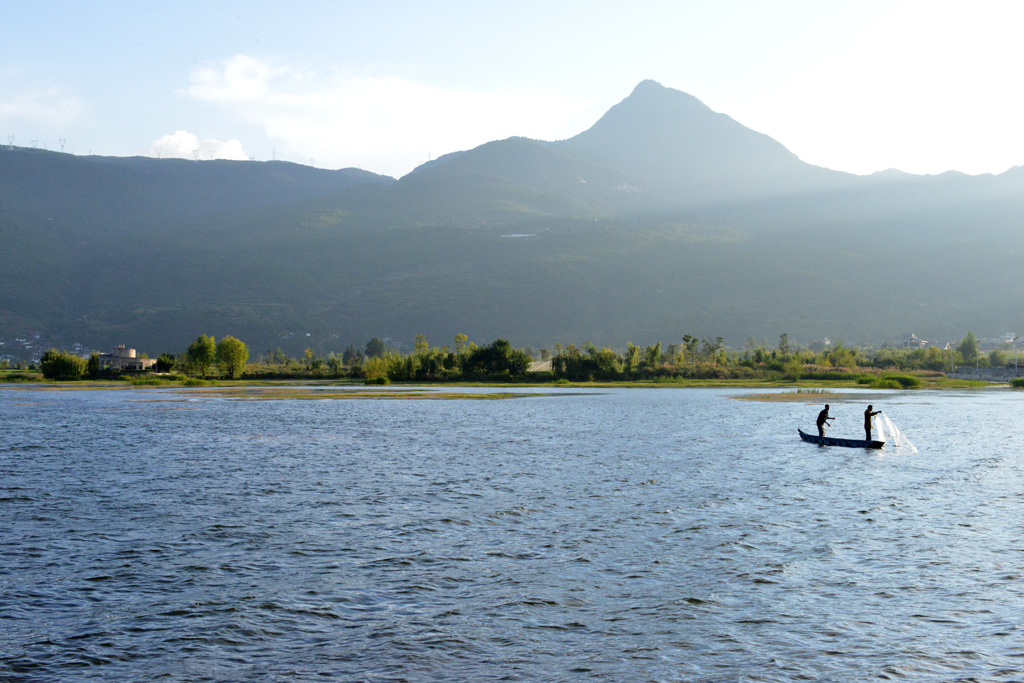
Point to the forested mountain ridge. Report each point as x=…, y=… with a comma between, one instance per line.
x=124, y=189
x=662, y=219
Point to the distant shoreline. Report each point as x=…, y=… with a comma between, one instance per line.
x=33, y=380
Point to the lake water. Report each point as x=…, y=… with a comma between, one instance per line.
x=619, y=535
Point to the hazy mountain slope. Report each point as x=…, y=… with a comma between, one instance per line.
x=69, y=222
x=692, y=155
x=907, y=214
x=538, y=166
x=658, y=149
x=571, y=281
x=662, y=219
x=110, y=191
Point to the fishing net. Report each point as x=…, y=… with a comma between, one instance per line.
x=891, y=434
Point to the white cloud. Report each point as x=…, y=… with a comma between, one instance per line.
x=383, y=124
x=50, y=105
x=240, y=79
x=185, y=145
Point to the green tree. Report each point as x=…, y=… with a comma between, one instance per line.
x=761, y=355
x=606, y=363
x=420, y=346
x=59, y=365
x=165, y=362
x=567, y=362
x=277, y=357
x=201, y=354
x=498, y=359
x=784, y=345
x=314, y=363
x=352, y=356
x=232, y=355
x=93, y=367
x=632, y=360
x=375, y=348
x=840, y=356
x=652, y=357
x=711, y=349
x=335, y=364
x=969, y=348
x=375, y=369
x=689, y=348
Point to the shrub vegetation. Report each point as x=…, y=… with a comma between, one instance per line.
x=692, y=358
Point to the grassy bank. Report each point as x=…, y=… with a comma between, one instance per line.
x=904, y=381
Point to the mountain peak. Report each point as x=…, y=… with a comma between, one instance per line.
x=653, y=111
x=648, y=85
x=689, y=150
x=650, y=93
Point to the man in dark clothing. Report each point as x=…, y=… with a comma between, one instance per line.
x=867, y=422
x=823, y=417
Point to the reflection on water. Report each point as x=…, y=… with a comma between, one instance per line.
x=618, y=535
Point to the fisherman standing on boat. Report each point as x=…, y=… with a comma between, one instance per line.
x=867, y=422
x=823, y=418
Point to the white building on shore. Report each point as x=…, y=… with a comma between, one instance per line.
x=914, y=342
x=125, y=360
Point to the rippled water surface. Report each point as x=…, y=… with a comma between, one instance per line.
x=621, y=535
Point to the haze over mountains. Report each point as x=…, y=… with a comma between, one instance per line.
x=663, y=219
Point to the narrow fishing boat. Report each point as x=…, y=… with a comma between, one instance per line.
x=833, y=441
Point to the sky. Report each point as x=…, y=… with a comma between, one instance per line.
x=925, y=86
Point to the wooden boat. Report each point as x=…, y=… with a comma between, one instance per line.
x=833, y=441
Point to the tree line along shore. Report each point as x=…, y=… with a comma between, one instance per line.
x=693, y=359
